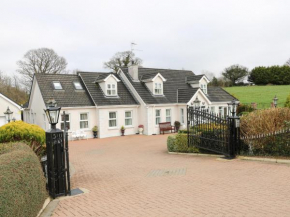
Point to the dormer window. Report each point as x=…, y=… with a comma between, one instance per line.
x=203, y=88
x=57, y=85
x=158, y=89
x=111, y=89
x=78, y=85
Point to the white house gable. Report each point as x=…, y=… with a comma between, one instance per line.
x=109, y=85
x=155, y=84
x=204, y=101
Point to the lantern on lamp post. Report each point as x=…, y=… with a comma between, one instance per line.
x=8, y=113
x=275, y=101
x=233, y=105
x=56, y=161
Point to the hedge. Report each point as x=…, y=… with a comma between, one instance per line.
x=31, y=134
x=178, y=143
x=22, y=183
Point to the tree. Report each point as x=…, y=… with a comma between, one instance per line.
x=235, y=73
x=42, y=60
x=122, y=59
x=287, y=63
x=214, y=82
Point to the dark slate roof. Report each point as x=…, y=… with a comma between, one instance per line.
x=193, y=78
x=218, y=94
x=174, y=79
x=124, y=95
x=184, y=95
x=101, y=77
x=68, y=97
x=147, y=76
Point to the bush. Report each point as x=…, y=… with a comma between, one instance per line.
x=178, y=143
x=264, y=121
x=31, y=134
x=287, y=103
x=22, y=183
x=242, y=109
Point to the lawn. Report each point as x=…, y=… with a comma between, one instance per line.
x=262, y=95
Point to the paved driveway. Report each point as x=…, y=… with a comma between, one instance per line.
x=135, y=176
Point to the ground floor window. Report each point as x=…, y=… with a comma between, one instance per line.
x=128, y=118
x=84, y=121
x=168, y=115
x=112, y=119
x=223, y=111
x=157, y=116
x=212, y=109
x=182, y=116
x=67, y=118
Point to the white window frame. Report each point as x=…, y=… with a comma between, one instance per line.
x=109, y=87
x=69, y=120
x=212, y=109
x=87, y=120
x=128, y=118
x=158, y=90
x=166, y=116
x=76, y=83
x=57, y=82
x=182, y=116
x=203, y=87
x=113, y=127
x=159, y=117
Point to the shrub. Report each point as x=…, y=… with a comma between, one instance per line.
x=178, y=143
x=31, y=134
x=22, y=184
x=242, y=109
x=287, y=103
x=264, y=121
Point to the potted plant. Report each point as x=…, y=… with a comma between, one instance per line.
x=95, y=131
x=122, y=130
x=177, y=125
x=141, y=128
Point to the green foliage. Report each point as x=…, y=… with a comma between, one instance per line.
x=178, y=143
x=244, y=108
x=287, y=103
x=31, y=134
x=22, y=184
x=95, y=129
x=235, y=73
x=262, y=95
x=279, y=75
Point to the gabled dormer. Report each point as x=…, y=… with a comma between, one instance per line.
x=198, y=81
x=108, y=84
x=154, y=82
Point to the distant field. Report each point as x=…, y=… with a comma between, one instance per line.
x=262, y=95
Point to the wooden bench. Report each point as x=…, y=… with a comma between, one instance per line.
x=166, y=126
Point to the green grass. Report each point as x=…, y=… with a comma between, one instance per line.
x=262, y=95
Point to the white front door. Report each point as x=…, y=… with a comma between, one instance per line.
x=2, y=120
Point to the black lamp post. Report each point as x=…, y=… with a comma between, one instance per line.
x=8, y=113
x=233, y=105
x=196, y=103
x=57, y=167
x=275, y=101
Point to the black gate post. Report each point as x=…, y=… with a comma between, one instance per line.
x=56, y=159
x=234, y=130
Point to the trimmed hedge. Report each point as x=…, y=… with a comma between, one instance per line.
x=178, y=143
x=31, y=134
x=22, y=183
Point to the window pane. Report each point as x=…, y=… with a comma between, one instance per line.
x=113, y=86
x=109, y=86
x=168, y=119
x=128, y=122
x=84, y=116
x=157, y=112
x=57, y=85
x=128, y=114
x=168, y=112
x=112, y=123
x=157, y=120
x=112, y=115
x=113, y=92
x=84, y=124
x=109, y=92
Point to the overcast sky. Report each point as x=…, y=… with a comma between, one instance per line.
x=195, y=35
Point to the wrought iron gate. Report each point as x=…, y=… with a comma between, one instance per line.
x=209, y=131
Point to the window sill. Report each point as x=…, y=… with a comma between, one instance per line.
x=113, y=128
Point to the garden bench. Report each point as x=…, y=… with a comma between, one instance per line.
x=166, y=126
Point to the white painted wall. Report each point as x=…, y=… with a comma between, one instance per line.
x=106, y=131
x=4, y=103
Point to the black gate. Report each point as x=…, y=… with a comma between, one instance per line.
x=212, y=132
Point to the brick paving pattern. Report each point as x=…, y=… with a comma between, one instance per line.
x=135, y=176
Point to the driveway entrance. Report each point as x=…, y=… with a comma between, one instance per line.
x=135, y=176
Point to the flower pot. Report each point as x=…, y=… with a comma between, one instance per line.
x=122, y=132
x=140, y=131
x=95, y=134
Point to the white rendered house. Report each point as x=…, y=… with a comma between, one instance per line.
x=130, y=97
x=6, y=103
